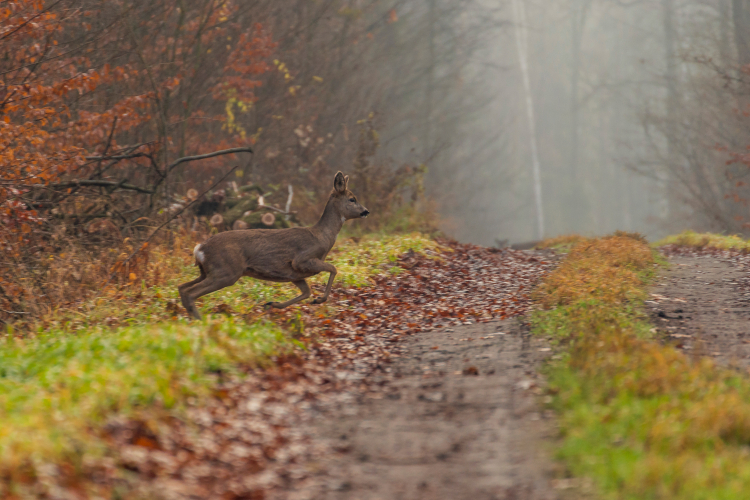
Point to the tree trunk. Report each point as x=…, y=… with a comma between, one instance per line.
x=670, y=36
x=725, y=30
x=522, y=44
x=576, y=35
x=430, y=84
x=741, y=18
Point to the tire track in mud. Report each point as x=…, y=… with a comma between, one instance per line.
x=702, y=304
x=460, y=420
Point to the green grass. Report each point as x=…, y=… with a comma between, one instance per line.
x=358, y=262
x=559, y=323
x=57, y=389
x=562, y=244
x=132, y=350
x=706, y=240
x=638, y=418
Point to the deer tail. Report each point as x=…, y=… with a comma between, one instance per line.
x=199, y=255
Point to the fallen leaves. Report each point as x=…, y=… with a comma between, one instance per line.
x=247, y=442
x=471, y=370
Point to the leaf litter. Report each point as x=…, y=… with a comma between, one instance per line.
x=248, y=441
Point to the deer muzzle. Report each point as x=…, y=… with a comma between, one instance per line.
x=365, y=213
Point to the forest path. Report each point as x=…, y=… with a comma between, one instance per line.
x=460, y=420
x=702, y=304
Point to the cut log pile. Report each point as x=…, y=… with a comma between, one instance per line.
x=245, y=207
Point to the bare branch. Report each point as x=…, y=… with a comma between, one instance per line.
x=118, y=157
x=12, y=312
x=209, y=155
x=95, y=182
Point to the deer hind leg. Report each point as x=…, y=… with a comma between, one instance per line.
x=211, y=283
x=304, y=288
x=185, y=286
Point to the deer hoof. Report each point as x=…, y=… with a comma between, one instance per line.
x=269, y=305
x=320, y=300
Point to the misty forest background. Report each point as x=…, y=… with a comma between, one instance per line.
x=490, y=120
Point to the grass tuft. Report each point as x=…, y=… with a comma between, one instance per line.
x=706, y=240
x=609, y=270
x=561, y=243
x=359, y=260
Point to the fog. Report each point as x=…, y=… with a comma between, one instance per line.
x=512, y=120
x=636, y=105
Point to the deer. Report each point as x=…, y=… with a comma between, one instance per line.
x=278, y=255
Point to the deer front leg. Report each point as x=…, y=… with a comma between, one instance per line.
x=316, y=266
x=324, y=298
x=304, y=288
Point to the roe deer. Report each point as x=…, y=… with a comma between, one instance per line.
x=281, y=255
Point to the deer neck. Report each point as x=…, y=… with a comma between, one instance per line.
x=329, y=225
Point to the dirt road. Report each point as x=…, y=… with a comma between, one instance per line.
x=702, y=304
x=421, y=386
x=459, y=420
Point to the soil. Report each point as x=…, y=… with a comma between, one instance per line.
x=460, y=419
x=701, y=305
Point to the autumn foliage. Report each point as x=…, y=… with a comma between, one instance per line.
x=112, y=112
x=96, y=103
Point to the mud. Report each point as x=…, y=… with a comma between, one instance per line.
x=459, y=418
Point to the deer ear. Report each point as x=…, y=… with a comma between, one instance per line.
x=346, y=182
x=339, y=183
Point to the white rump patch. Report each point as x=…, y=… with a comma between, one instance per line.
x=198, y=253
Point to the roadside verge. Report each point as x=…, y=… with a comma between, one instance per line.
x=638, y=419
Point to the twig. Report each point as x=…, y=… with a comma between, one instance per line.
x=209, y=155
x=106, y=147
x=29, y=20
x=12, y=312
x=119, y=157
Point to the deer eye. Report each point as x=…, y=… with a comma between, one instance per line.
x=353, y=200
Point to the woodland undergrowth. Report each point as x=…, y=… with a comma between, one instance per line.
x=639, y=419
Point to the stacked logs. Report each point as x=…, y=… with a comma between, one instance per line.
x=242, y=208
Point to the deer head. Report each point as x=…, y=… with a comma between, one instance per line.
x=343, y=201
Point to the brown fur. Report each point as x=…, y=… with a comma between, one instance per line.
x=281, y=255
